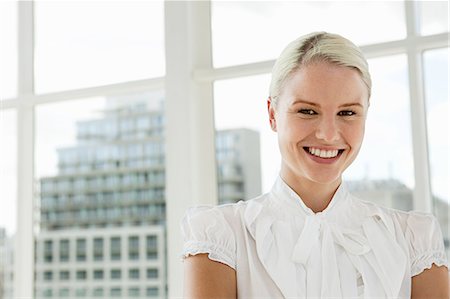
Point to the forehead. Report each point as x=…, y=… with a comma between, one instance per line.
x=325, y=83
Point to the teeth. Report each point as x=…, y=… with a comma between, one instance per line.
x=323, y=153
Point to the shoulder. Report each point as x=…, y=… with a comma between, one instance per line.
x=215, y=230
x=230, y=213
x=419, y=231
x=405, y=220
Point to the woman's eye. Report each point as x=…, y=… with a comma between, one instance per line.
x=346, y=113
x=307, y=111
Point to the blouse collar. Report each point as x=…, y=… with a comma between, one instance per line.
x=284, y=194
x=282, y=245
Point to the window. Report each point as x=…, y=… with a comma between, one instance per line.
x=281, y=22
x=64, y=275
x=152, y=248
x=8, y=54
x=98, y=274
x=64, y=293
x=116, y=274
x=98, y=249
x=133, y=248
x=64, y=250
x=48, y=251
x=115, y=249
x=98, y=292
x=47, y=293
x=251, y=121
x=81, y=275
x=115, y=292
x=133, y=274
x=48, y=275
x=393, y=170
x=134, y=292
x=80, y=292
x=81, y=249
x=100, y=52
x=152, y=273
x=152, y=292
x=8, y=154
x=436, y=77
x=433, y=16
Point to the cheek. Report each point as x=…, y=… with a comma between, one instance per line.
x=355, y=135
x=292, y=133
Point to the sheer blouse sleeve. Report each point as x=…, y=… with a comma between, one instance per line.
x=425, y=240
x=205, y=230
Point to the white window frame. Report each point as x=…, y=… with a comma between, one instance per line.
x=190, y=158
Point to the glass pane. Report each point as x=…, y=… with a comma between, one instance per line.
x=260, y=29
x=8, y=187
x=384, y=169
x=8, y=49
x=115, y=41
x=433, y=17
x=247, y=153
x=436, y=65
x=101, y=180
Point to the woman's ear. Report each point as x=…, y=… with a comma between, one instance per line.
x=271, y=111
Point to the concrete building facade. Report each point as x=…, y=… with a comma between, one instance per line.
x=102, y=230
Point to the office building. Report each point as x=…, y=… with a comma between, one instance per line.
x=6, y=265
x=102, y=217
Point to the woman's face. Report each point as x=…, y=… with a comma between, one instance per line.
x=320, y=118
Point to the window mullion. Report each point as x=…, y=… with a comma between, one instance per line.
x=24, y=240
x=422, y=190
x=190, y=147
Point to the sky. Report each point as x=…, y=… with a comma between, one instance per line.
x=126, y=43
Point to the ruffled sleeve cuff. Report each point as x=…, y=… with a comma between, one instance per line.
x=426, y=243
x=215, y=252
x=205, y=230
x=425, y=261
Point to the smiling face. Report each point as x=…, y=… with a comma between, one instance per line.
x=319, y=117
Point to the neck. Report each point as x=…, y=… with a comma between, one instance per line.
x=314, y=195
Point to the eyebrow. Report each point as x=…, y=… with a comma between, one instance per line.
x=316, y=105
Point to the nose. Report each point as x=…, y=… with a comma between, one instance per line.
x=327, y=130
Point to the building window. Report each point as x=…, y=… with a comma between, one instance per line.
x=115, y=249
x=81, y=275
x=116, y=274
x=133, y=248
x=81, y=250
x=133, y=274
x=152, y=292
x=48, y=251
x=64, y=293
x=98, y=274
x=80, y=292
x=152, y=248
x=64, y=250
x=134, y=292
x=97, y=292
x=64, y=275
x=98, y=249
x=152, y=273
x=116, y=292
x=47, y=293
x=48, y=275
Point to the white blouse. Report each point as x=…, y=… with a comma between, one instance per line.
x=282, y=249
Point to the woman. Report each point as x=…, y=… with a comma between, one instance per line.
x=308, y=237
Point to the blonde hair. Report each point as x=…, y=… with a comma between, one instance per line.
x=317, y=47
